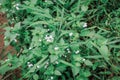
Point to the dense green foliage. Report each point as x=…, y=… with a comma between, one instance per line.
x=63, y=39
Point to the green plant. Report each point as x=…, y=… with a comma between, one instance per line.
x=64, y=39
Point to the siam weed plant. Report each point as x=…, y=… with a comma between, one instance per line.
x=63, y=39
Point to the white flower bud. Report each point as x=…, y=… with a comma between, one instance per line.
x=38, y=67
x=30, y=48
x=56, y=48
x=7, y=60
x=83, y=59
x=40, y=40
x=70, y=34
x=17, y=8
x=77, y=51
x=51, y=77
x=30, y=65
x=85, y=25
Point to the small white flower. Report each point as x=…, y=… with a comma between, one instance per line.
x=30, y=48
x=45, y=26
x=38, y=67
x=28, y=62
x=30, y=65
x=65, y=56
x=68, y=50
x=77, y=51
x=70, y=34
x=51, y=77
x=17, y=8
x=13, y=19
x=7, y=60
x=17, y=4
x=5, y=37
x=0, y=4
x=83, y=59
x=56, y=48
x=49, y=38
x=40, y=40
x=85, y=25
x=47, y=63
x=48, y=29
x=15, y=40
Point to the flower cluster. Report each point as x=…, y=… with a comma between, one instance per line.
x=68, y=50
x=16, y=6
x=85, y=25
x=30, y=64
x=77, y=51
x=49, y=38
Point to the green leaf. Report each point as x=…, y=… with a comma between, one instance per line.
x=84, y=8
x=61, y=67
x=75, y=71
x=51, y=49
x=101, y=41
x=50, y=70
x=33, y=2
x=87, y=33
x=86, y=73
x=67, y=63
x=62, y=2
x=104, y=1
x=115, y=78
x=17, y=27
x=43, y=15
x=9, y=35
x=104, y=51
x=88, y=63
x=4, y=68
x=77, y=64
x=38, y=23
x=56, y=72
x=77, y=57
x=53, y=58
x=62, y=42
x=35, y=77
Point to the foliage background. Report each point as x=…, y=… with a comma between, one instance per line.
x=63, y=39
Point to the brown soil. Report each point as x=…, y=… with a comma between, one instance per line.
x=4, y=50
x=3, y=19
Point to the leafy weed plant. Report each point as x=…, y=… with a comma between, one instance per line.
x=63, y=39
